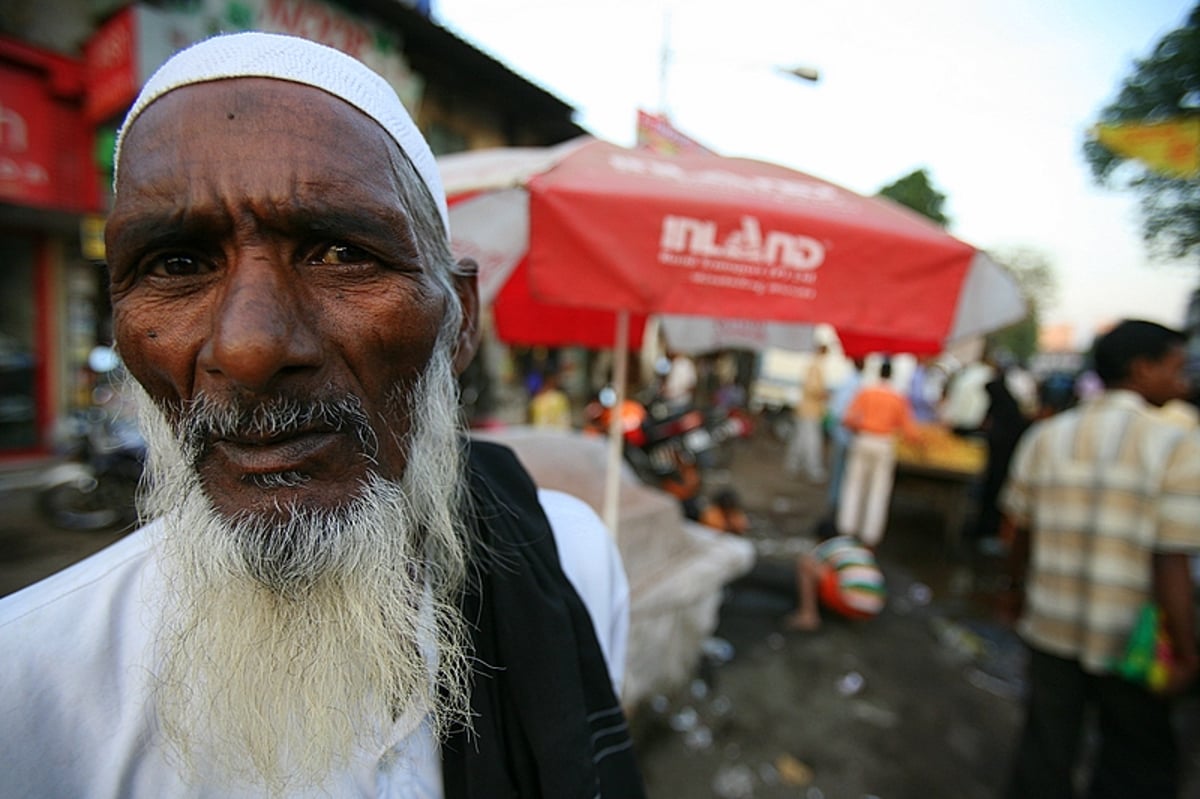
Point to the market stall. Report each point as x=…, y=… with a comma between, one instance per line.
x=941, y=472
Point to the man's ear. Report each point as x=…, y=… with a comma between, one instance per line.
x=1139, y=372
x=466, y=286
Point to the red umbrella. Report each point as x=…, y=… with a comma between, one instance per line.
x=599, y=227
x=521, y=319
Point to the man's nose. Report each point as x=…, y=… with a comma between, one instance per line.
x=262, y=330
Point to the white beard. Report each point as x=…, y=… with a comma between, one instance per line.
x=278, y=678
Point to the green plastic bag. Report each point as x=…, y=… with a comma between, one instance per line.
x=1147, y=658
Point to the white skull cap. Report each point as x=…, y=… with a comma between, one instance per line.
x=290, y=58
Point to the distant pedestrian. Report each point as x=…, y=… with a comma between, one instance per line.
x=725, y=513
x=806, y=449
x=1088, y=385
x=876, y=416
x=840, y=436
x=1103, y=503
x=729, y=396
x=841, y=575
x=966, y=400
x=1003, y=426
x=925, y=390
x=1022, y=385
x=550, y=407
x=679, y=383
x=1056, y=393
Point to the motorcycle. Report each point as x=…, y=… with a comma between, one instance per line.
x=670, y=447
x=96, y=486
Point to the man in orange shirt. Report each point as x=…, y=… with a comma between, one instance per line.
x=875, y=416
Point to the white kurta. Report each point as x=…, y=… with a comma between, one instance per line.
x=75, y=676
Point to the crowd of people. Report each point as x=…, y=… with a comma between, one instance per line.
x=1092, y=487
x=1091, y=484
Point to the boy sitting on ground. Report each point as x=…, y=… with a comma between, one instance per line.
x=841, y=575
x=725, y=513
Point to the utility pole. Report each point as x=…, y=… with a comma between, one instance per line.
x=665, y=57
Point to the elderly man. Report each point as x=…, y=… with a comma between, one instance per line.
x=339, y=595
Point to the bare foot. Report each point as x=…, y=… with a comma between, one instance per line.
x=803, y=623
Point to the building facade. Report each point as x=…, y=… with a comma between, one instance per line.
x=68, y=73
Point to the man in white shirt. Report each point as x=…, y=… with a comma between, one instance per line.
x=966, y=398
x=679, y=385
x=339, y=595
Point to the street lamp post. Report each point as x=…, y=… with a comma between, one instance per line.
x=799, y=72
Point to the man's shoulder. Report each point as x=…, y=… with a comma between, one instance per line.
x=592, y=564
x=496, y=469
x=1059, y=420
x=488, y=454
x=582, y=538
x=1110, y=418
x=80, y=584
x=77, y=678
x=561, y=506
x=1145, y=420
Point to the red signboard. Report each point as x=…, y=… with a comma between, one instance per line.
x=320, y=23
x=45, y=143
x=110, y=56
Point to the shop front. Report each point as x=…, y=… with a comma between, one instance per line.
x=48, y=291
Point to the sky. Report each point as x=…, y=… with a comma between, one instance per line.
x=992, y=97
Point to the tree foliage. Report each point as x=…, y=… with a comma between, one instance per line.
x=915, y=191
x=1039, y=286
x=1166, y=85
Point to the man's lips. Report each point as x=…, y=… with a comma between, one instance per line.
x=271, y=454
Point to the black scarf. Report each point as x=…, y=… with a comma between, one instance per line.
x=546, y=722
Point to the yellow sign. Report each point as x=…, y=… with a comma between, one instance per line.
x=1171, y=148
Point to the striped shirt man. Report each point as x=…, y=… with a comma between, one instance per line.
x=1103, y=488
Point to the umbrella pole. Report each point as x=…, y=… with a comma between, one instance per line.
x=612, y=474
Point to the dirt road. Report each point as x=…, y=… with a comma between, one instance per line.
x=922, y=702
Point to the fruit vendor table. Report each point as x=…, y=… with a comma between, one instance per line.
x=941, y=475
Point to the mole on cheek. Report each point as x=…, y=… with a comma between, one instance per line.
x=152, y=334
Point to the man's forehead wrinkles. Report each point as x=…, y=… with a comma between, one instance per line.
x=159, y=219
x=211, y=224
x=285, y=193
x=324, y=215
x=286, y=207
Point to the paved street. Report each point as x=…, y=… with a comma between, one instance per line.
x=919, y=703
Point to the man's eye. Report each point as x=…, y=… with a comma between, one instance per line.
x=176, y=266
x=342, y=255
